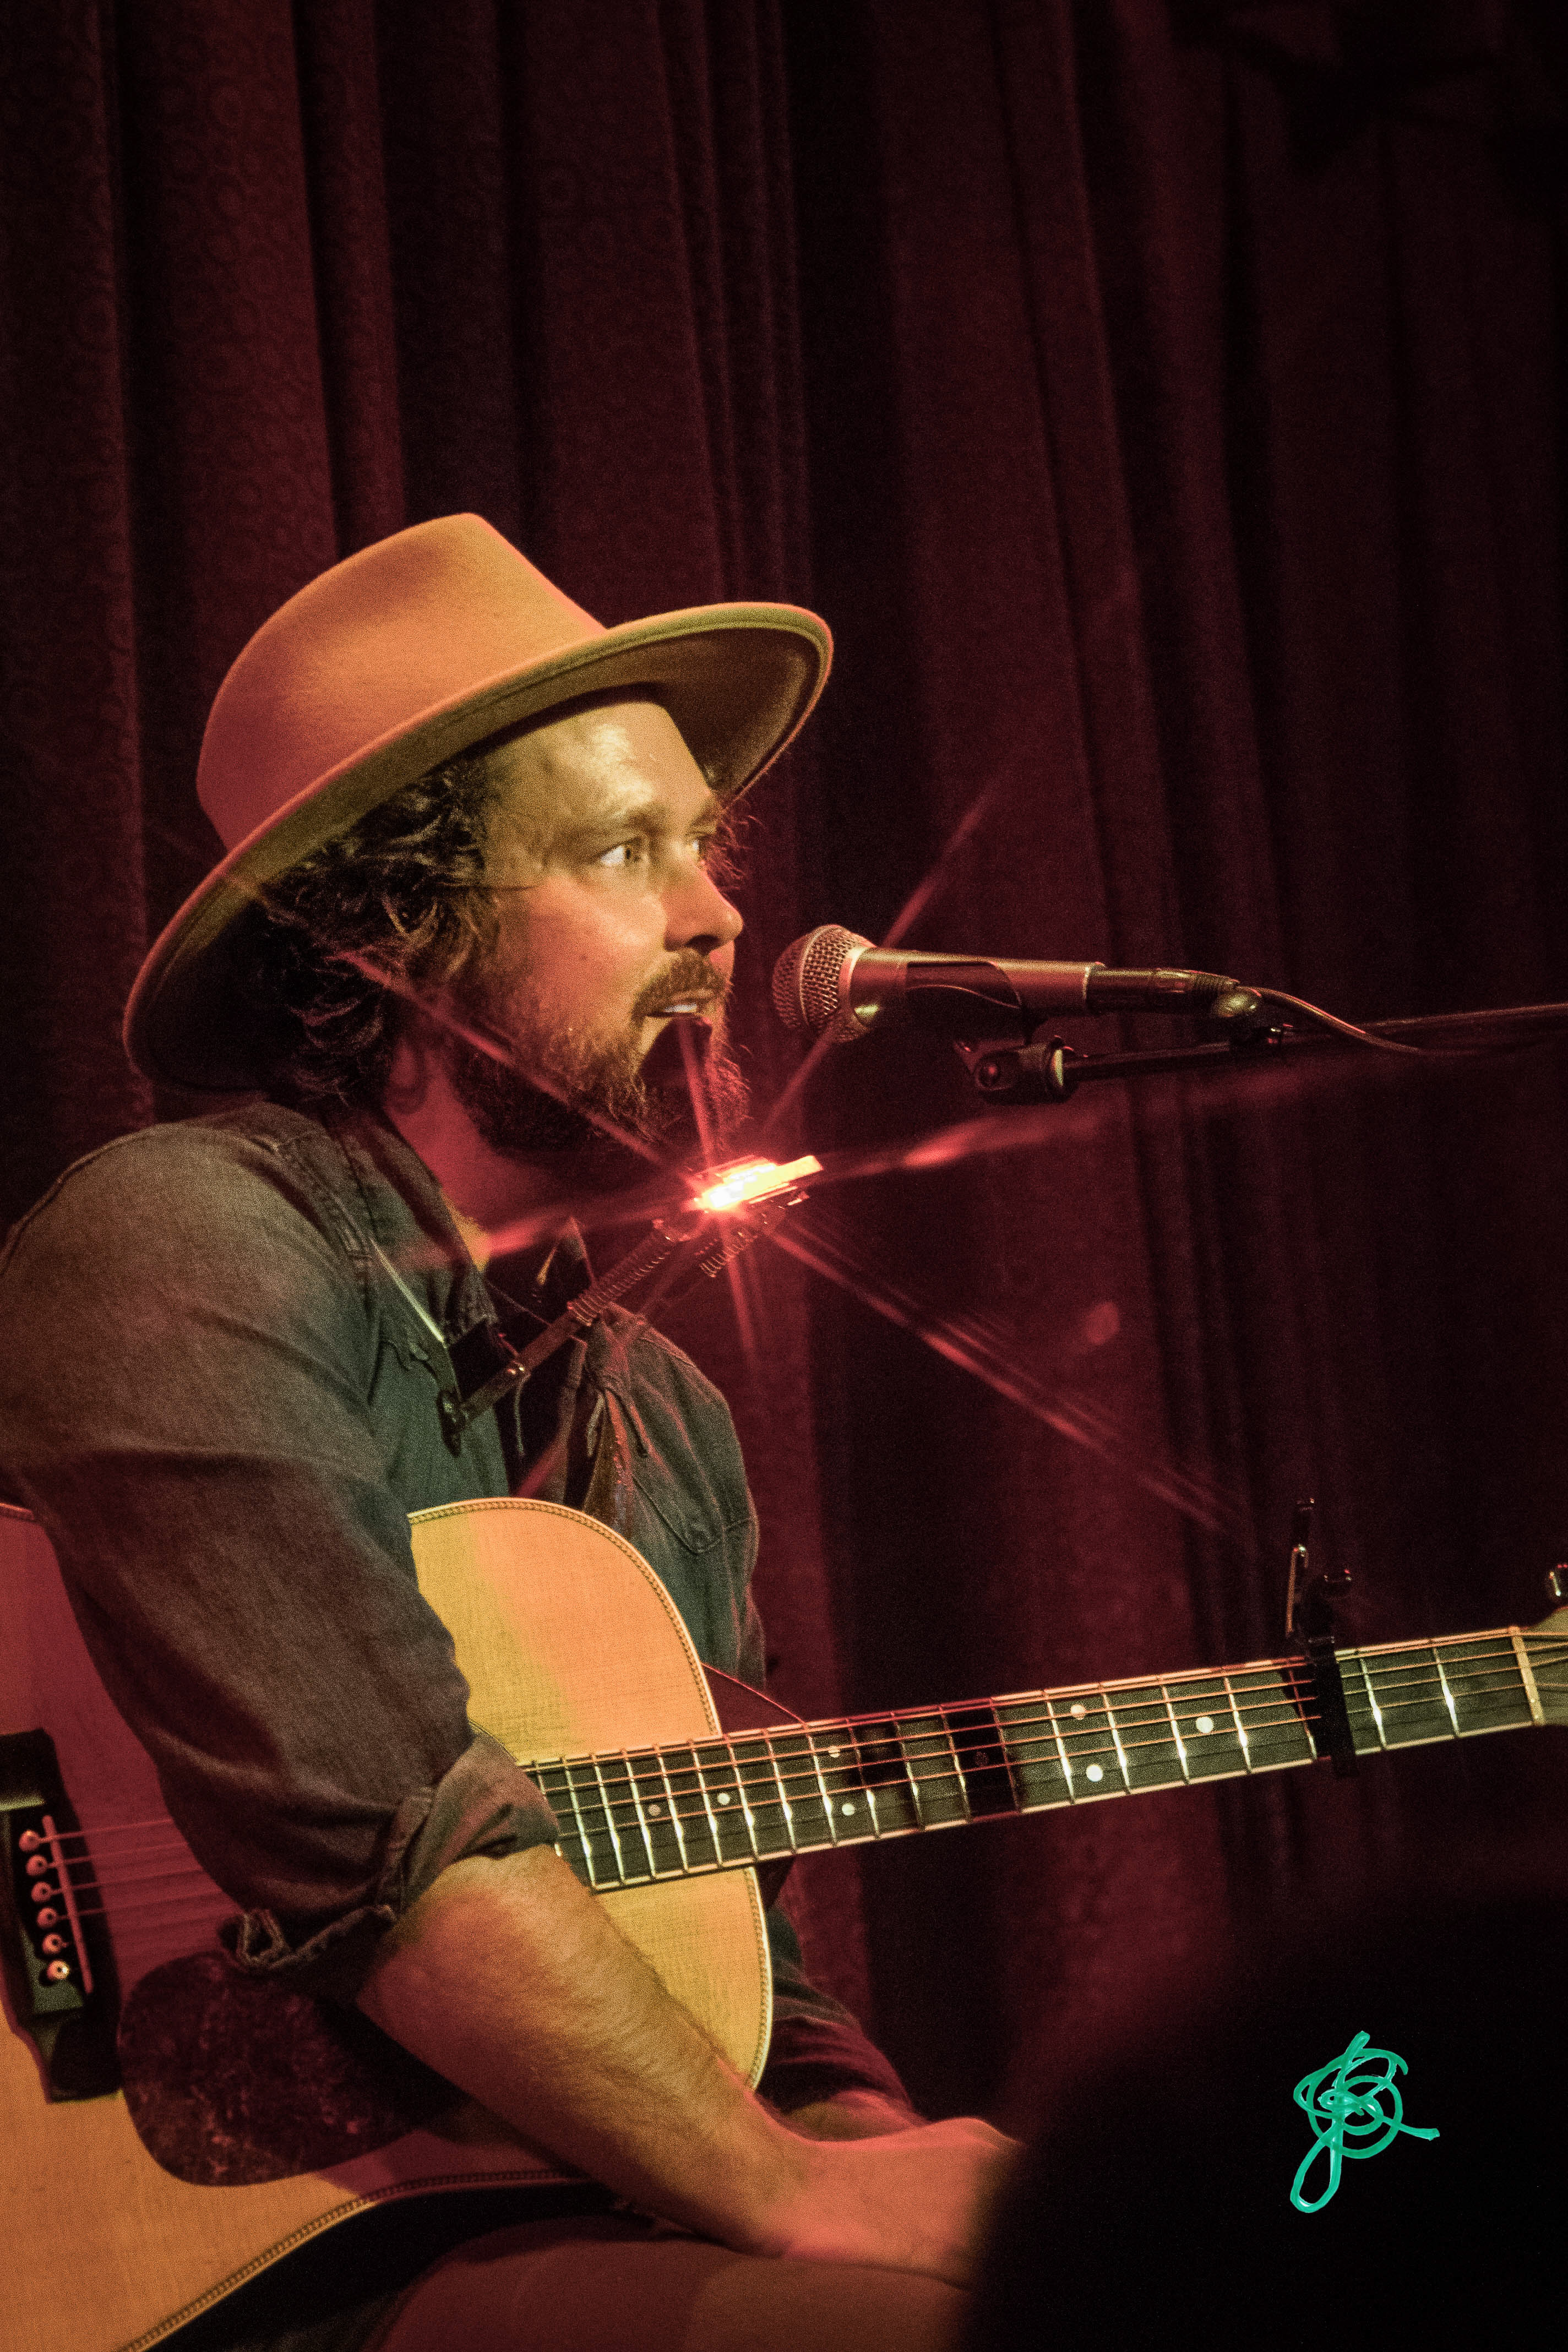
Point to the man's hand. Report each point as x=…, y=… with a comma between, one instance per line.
x=916, y=2201
x=512, y=1980
x=852, y=2114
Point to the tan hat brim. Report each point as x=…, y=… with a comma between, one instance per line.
x=736, y=705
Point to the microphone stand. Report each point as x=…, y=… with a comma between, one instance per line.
x=1045, y=1070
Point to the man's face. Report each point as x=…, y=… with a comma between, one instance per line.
x=608, y=923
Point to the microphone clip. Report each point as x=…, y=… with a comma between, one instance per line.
x=1047, y=1070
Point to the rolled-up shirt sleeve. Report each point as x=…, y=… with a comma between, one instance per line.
x=189, y=1376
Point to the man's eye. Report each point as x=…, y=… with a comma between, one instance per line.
x=623, y=854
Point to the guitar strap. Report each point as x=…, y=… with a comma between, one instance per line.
x=458, y=1408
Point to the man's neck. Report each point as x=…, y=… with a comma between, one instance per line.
x=489, y=1193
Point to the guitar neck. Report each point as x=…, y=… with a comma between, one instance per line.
x=630, y=1817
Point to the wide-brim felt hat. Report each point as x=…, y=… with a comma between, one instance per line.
x=392, y=663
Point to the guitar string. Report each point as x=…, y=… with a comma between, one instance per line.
x=1045, y=1727
x=1291, y=1683
x=1081, y=1756
x=858, y=1735
x=1038, y=1729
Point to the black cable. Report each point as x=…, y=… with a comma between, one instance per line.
x=1316, y=1015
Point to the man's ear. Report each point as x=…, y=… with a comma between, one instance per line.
x=417, y=1030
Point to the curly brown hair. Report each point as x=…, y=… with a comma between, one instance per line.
x=396, y=905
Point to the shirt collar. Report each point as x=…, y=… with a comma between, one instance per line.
x=413, y=1230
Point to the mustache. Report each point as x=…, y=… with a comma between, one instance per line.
x=689, y=977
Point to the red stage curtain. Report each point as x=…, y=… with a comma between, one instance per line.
x=1164, y=405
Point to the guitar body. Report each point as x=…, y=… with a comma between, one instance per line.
x=570, y=1645
x=253, y=2118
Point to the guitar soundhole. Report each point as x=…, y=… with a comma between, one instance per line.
x=232, y=2081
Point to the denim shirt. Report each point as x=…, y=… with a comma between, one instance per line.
x=224, y=1344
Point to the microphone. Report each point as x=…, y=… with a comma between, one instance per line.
x=834, y=984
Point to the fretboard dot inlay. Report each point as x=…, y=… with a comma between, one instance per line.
x=1204, y=1723
x=653, y=1808
x=723, y=1796
x=833, y=1751
x=845, y=1809
x=1078, y=1709
x=1094, y=1773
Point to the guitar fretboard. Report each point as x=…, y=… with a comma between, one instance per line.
x=629, y=1817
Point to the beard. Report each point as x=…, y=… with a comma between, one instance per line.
x=603, y=1114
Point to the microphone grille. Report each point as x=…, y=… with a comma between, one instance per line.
x=806, y=993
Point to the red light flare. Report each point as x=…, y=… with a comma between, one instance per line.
x=486, y=1041
x=909, y=913
x=942, y=865
x=974, y=1344
x=544, y=1224
x=738, y=1272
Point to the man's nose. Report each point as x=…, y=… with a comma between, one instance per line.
x=698, y=914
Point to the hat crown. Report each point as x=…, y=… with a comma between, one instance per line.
x=413, y=625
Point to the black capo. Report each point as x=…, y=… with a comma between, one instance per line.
x=1309, y=1619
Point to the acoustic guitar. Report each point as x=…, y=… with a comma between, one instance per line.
x=169, y=2128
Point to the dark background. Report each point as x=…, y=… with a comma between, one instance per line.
x=1163, y=403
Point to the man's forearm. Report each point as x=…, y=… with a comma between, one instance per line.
x=510, y=1980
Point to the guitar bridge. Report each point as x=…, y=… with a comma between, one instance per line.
x=57, y=1962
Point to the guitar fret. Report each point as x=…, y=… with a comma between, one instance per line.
x=856, y=1768
x=675, y=1820
x=884, y=1751
x=609, y=1819
x=1240, y=1727
x=712, y=1764
x=1526, y=1675
x=659, y=1830
x=1265, y=1701
x=1371, y=1696
x=785, y=1808
x=636, y=1817
x=637, y=1861
x=990, y=1766
x=1177, y=1733
x=892, y=1779
x=746, y=1813
x=822, y=1784
x=551, y=1779
x=910, y=1775
x=635, y=1792
x=957, y=1766
x=707, y=1805
x=1116, y=1736
x=1062, y=1752
x=759, y=1795
x=582, y=1825
x=692, y=1818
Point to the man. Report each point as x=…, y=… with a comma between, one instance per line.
x=468, y=886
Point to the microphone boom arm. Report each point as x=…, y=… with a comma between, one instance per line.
x=1046, y=1070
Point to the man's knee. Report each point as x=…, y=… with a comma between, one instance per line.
x=614, y=2286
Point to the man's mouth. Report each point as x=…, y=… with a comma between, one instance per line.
x=692, y=990
x=702, y=1006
